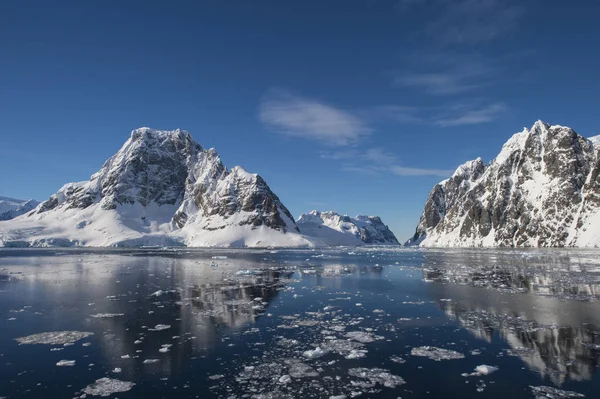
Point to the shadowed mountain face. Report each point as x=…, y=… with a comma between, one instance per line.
x=542, y=190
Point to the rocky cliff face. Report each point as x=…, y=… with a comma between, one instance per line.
x=543, y=189
x=337, y=229
x=160, y=184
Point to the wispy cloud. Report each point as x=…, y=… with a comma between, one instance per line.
x=445, y=73
x=467, y=21
x=448, y=114
x=376, y=160
x=473, y=116
x=311, y=119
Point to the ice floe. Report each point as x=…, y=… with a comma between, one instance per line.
x=107, y=386
x=66, y=363
x=375, y=376
x=53, y=338
x=436, y=354
x=545, y=392
x=481, y=370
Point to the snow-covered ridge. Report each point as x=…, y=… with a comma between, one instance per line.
x=335, y=229
x=160, y=188
x=543, y=189
x=10, y=208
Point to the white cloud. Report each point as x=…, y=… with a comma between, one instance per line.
x=302, y=117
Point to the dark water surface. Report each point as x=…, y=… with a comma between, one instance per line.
x=300, y=323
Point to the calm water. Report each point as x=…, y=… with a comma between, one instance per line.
x=242, y=324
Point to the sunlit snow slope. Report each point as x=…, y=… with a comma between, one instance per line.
x=335, y=229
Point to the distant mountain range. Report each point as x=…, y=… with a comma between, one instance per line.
x=335, y=229
x=542, y=190
x=10, y=208
x=162, y=188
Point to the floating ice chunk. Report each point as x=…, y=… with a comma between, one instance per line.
x=342, y=347
x=151, y=361
x=397, y=359
x=216, y=377
x=53, y=338
x=107, y=386
x=436, y=354
x=544, y=392
x=338, y=397
x=157, y=293
x=377, y=376
x=107, y=315
x=219, y=257
x=160, y=327
x=297, y=369
x=285, y=379
x=66, y=363
x=117, y=370
x=481, y=370
x=363, y=337
x=315, y=353
x=357, y=354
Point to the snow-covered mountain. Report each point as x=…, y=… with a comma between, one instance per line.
x=543, y=189
x=160, y=188
x=335, y=229
x=10, y=208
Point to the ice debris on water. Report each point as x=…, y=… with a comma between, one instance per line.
x=375, y=376
x=107, y=315
x=160, y=327
x=480, y=370
x=397, y=359
x=363, y=337
x=53, y=338
x=436, y=354
x=297, y=369
x=66, y=363
x=315, y=353
x=545, y=392
x=151, y=361
x=107, y=386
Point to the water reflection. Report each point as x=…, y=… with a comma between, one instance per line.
x=527, y=301
x=568, y=275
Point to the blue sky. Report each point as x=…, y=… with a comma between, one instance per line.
x=353, y=106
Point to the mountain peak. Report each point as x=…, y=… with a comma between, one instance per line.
x=543, y=189
x=156, y=133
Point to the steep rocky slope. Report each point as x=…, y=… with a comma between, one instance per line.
x=542, y=190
